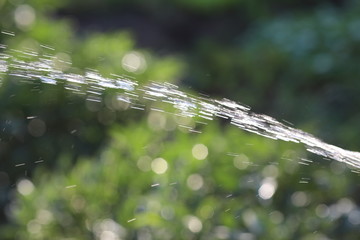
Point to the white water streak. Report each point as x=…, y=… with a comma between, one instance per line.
x=92, y=83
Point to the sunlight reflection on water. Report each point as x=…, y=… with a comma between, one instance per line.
x=92, y=84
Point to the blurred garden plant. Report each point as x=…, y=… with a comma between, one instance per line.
x=158, y=182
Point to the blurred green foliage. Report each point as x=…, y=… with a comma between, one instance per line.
x=126, y=192
x=303, y=60
x=96, y=172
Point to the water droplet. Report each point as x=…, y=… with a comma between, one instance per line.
x=8, y=33
x=131, y=220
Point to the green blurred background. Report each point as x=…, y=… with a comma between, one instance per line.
x=103, y=171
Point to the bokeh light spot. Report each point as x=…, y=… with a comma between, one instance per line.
x=299, y=199
x=144, y=163
x=195, y=182
x=222, y=232
x=206, y=211
x=276, y=217
x=167, y=213
x=354, y=217
x=156, y=121
x=108, y=229
x=62, y=61
x=134, y=62
x=267, y=188
x=344, y=206
x=200, y=151
x=159, y=165
x=25, y=187
x=108, y=235
x=193, y=224
x=24, y=16
x=322, y=211
x=44, y=216
x=33, y=227
x=241, y=161
x=36, y=127
x=270, y=171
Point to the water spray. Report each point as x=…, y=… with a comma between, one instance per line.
x=28, y=66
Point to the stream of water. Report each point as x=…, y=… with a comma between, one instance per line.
x=28, y=66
